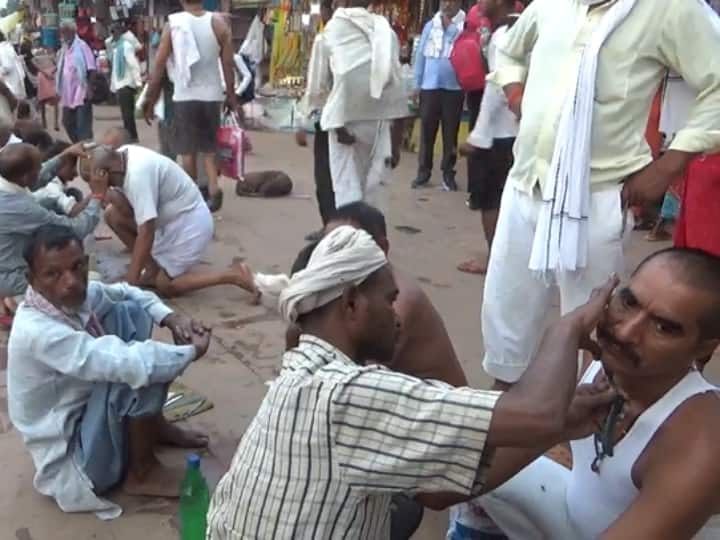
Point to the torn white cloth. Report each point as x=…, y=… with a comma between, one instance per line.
x=346, y=256
x=434, y=47
x=561, y=238
x=185, y=48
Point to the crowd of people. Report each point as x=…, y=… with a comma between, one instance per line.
x=371, y=418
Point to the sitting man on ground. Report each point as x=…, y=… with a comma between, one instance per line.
x=56, y=195
x=335, y=438
x=157, y=211
x=424, y=349
x=87, y=385
x=651, y=471
x=21, y=215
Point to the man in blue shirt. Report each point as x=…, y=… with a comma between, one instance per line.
x=441, y=98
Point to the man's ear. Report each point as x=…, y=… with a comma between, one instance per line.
x=349, y=300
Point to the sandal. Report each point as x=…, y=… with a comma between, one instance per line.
x=473, y=267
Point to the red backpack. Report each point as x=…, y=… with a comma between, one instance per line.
x=468, y=62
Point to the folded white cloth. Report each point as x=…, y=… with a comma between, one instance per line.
x=346, y=256
x=434, y=46
x=561, y=236
x=185, y=49
x=350, y=45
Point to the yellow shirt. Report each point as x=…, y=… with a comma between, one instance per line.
x=543, y=51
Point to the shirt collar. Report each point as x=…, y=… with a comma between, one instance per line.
x=328, y=351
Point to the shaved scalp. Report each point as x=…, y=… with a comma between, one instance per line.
x=697, y=269
x=103, y=157
x=116, y=137
x=17, y=159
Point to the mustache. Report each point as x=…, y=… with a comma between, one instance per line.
x=604, y=334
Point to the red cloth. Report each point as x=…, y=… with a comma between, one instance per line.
x=698, y=225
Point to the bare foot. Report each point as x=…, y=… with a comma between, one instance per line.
x=156, y=480
x=172, y=435
x=473, y=267
x=245, y=280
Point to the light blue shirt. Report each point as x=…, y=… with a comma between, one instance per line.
x=436, y=73
x=52, y=370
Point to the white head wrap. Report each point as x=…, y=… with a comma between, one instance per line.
x=346, y=256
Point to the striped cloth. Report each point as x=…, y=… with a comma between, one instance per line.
x=333, y=441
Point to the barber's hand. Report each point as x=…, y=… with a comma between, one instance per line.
x=345, y=137
x=588, y=316
x=77, y=151
x=588, y=409
x=301, y=138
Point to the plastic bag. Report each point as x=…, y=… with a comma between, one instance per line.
x=231, y=147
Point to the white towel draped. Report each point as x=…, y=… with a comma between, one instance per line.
x=185, y=49
x=561, y=236
x=434, y=45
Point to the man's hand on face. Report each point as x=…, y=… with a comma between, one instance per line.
x=588, y=409
x=587, y=317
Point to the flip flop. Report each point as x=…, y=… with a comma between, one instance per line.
x=473, y=267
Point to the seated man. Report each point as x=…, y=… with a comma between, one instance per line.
x=86, y=385
x=424, y=349
x=335, y=439
x=652, y=470
x=21, y=215
x=158, y=212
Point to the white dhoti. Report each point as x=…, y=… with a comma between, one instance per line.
x=533, y=505
x=180, y=244
x=361, y=171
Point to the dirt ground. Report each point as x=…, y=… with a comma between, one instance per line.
x=430, y=233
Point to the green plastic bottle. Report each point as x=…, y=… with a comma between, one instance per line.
x=194, y=501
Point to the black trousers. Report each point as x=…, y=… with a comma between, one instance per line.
x=126, y=99
x=474, y=162
x=323, y=178
x=78, y=122
x=439, y=108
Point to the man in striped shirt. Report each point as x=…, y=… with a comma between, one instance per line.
x=335, y=439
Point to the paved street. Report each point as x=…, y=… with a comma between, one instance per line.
x=430, y=233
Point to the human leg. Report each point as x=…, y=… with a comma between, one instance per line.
x=346, y=171
x=211, y=170
x=42, y=114
x=474, y=162
x=451, y=115
x=532, y=505
x=69, y=120
x=323, y=177
x=126, y=100
x=85, y=122
x=430, y=112
x=515, y=302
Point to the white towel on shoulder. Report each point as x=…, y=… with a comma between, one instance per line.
x=185, y=49
x=435, y=43
x=561, y=237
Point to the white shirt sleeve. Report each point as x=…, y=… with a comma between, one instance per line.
x=143, y=192
x=245, y=74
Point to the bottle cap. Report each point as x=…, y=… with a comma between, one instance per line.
x=193, y=461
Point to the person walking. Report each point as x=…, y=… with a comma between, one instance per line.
x=12, y=71
x=76, y=69
x=440, y=95
x=195, y=39
x=126, y=77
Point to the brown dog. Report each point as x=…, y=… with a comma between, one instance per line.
x=264, y=184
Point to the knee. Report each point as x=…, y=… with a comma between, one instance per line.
x=129, y=321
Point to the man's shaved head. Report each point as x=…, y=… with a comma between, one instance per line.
x=115, y=137
x=105, y=158
x=20, y=164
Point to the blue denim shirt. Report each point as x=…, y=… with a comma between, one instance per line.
x=436, y=73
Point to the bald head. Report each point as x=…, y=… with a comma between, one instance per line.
x=20, y=164
x=115, y=137
x=103, y=157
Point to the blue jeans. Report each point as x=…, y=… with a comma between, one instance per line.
x=102, y=451
x=78, y=122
